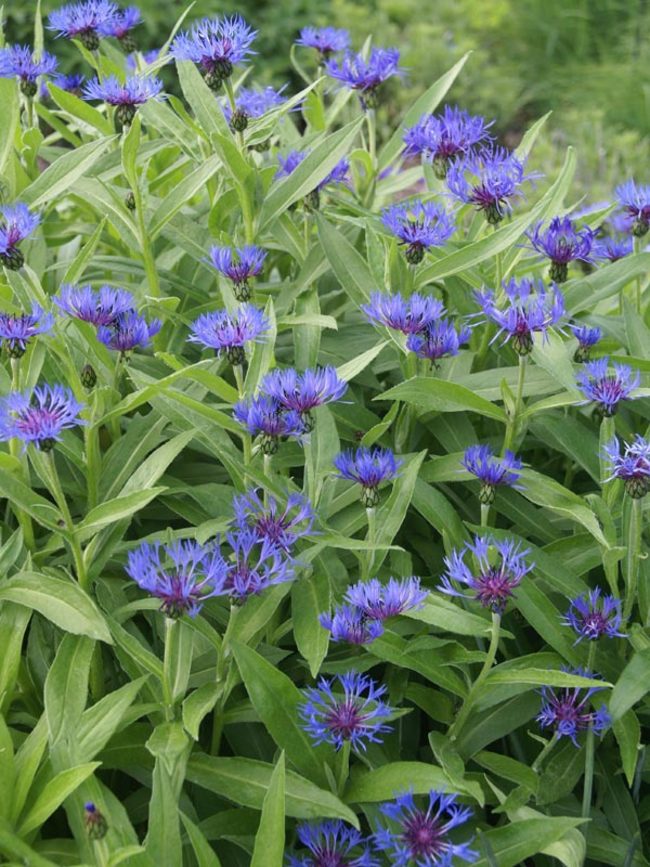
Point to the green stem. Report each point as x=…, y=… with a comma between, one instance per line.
x=168, y=662
x=56, y=489
x=633, y=554
x=464, y=712
x=344, y=768
x=511, y=428
x=588, y=786
x=485, y=514
x=93, y=455
x=544, y=753
x=637, y=282
x=24, y=520
x=371, y=120
x=371, y=515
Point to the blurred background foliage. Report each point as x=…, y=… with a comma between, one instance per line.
x=587, y=60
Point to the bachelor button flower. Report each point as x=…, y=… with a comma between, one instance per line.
x=251, y=103
x=217, y=45
x=94, y=821
x=530, y=308
x=633, y=466
x=256, y=565
x=290, y=163
x=98, y=306
x=127, y=331
x=349, y=623
x=487, y=179
x=83, y=21
x=16, y=223
x=420, y=836
x=635, y=201
x=491, y=471
x=357, y=716
x=379, y=601
x=562, y=242
x=332, y=844
x=267, y=417
x=369, y=468
x=326, y=40
x=365, y=75
x=613, y=247
x=72, y=83
x=419, y=226
x=281, y=526
x=587, y=338
x=439, y=339
x=409, y=315
x=228, y=333
x=18, y=61
x=566, y=710
x=302, y=392
x=182, y=575
x=40, y=416
x=121, y=25
x=444, y=137
x=605, y=388
x=239, y=265
x=16, y=329
x=126, y=97
x=500, y=569
x=592, y=616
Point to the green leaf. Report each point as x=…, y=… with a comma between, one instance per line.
x=544, y=491
x=66, y=689
x=349, y=267
x=632, y=685
x=440, y=612
x=13, y=623
x=14, y=847
x=310, y=597
x=54, y=794
x=115, y=510
x=382, y=783
x=7, y=771
x=202, y=100
x=440, y=395
x=60, y=176
x=197, y=705
x=10, y=102
x=80, y=109
x=19, y=494
x=628, y=735
x=192, y=183
x=513, y=843
x=540, y=677
x=99, y=723
x=269, y=840
x=203, y=851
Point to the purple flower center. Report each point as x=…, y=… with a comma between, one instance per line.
x=494, y=588
x=328, y=858
x=345, y=718
x=423, y=835
x=595, y=624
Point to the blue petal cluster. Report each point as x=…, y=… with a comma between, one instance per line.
x=239, y=264
x=229, y=333
x=440, y=339
x=587, y=338
x=17, y=329
x=592, y=616
x=365, y=75
x=266, y=417
x=332, y=843
x=39, y=416
x=368, y=468
x=631, y=464
x=98, y=306
x=120, y=25
x=419, y=226
x=303, y=392
x=128, y=331
x=83, y=21
x=216, y=45
x=19, y=61
x=607, y=388
x=17, y=222
x=280, y=526
x=410, y=315
x=325, y=40
x=441, y=138
x=563, y=242
x=634, y=199
x=491, y=471
x=567, y=711
x=254, y=565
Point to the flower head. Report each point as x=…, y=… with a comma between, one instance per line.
x=98, y=306
x=379, y=601
x=419, y=226
x=302, y=392
x=251, y=103
x=500, y=568
x=18, y=61
x=265, y=416
x=635, y=201
x=410, y=315
x=421, y=835
x=72, y=83
x=288, y=164
x=365, y=75
x=40, y=416
x=255, y=565
x=632, y=465
x=326, y=40
x=491, y=471
x=217, y=45
x=239, y=265
x=592, y=616
x=83, y=21
x=121, y=25
x=332, y=844
x=349, y=707
x=529, y=308
x=280, y=526
x=611, y=248
x=182, y=575
x=567, y=710
x=440, y=339
x=587, y=338
x=17, y=329
x=338, y=175
x=16, y=223
x=127, y=96
x=94, y=821
x=129, y=330
x=349, y=623
x=562, y=242
x=368, y=468
x=443, y=137
x=605, y=388
x=228, y=333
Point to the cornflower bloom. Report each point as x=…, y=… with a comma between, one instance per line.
x=325, y=40
x=120, y=27
x=632, y=465
x=17, y=329
x=587, y=338
x=126, y=97
x=239, y=264
x=288, y=164
x=349, y=623
x=251, y=103
x=368, y=468
x=18, y=61
x=365, y=75
x=303, y=392
x=332, y=844
x=266, y=417
x=605, y=388
x=530, y=308
x=348, y=708
x=562, y=242
x=379, y=601
x=635, y=202
x=16, y=223
x=98, y=306
x=128, y=331
x=418, y=227
x=338, y=175
x=280, y=526
x=421, y=836
x=592, y=616
x=491, y=471
x=255, y=565
x=40, y=416
x=228, y=333
x=438, y=340
x=441, y=138
x=217, y=45
x=410, y=315
x=72, y=83
x=182, y=575
x=501, y=566
x=83, y=21
x=613, y=247
x=567, y=710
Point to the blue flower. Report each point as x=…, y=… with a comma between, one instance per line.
x=255, y=565
x=302, y=392
x=420, y=835
x=347, y=708
x=290, y=163
x=491, y=471
x=332, y=844
x=587, y=338
x=442, y=138
x=566, y=710
x=239, y=265
x=439, y=339
x=379, y=601
x=182, y=575
x=592, y=616
x=338, y=175
x=98, y=306
x=530, y=308
x=635, y=201
x=121, y=25
x=127, y=96
x=267, y=417
x=17, y=329
x=281, y=526
x=326, y=40
x=562, y=242
x=409, y=315
x=18, y=61
x=349, y=623
x=607, y=389
x=251, y=103
x=365, y=75
x=419, y=226
x=632, y=466
x=487, y=179
x=229, y=333
x=368, y=468
x=83, y=21
x=128, y=331
x=16, y=223
x=217, y=45
x=500, y=568
x=40, y=416
x=613, y=247
x=72, y=83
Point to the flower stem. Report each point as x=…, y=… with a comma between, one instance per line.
x=633, y=555
x=24, y=520
x=56, y=489
x=637, y=249
x=371, y=515
x=588, y=785
x=344, y=768
x=487, y=666
x=544, y=753
x=511, y=428
x=485, y=514
x=371, y=121
x=93, y=455
x=168, y=662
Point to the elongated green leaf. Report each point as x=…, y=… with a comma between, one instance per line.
x=382, y=783
x=347, y=264
x=632, y=685
x=269, y=840
x=204, y=853
x=515, y=842
x=60, y=176
x=201, y=99
x=115, y=510
x=440, y=395
x=440, y=612
x=54, y=794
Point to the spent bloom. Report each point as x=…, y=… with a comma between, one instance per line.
x=303, y=392
x=121, y=25
x=441, y=138
x=632, y=465
x=421, y=835
x=125, y=96
x=379, y=601
x=365, y=75
x=281, y=526
x=98, y=306
x=94, y=821
x=332, y=844
x=216, y=45
x=587, y=338
x=255, y=565
x=568, y=710
x=635, y=201
x=182, y=575
x=265, y=417
x=349, y=623
x=18, y=61
x=368, y=468
x=39, y=416
x=239, y=264
x=83, y=21
x=229, y=333
x=562, y=242
x=441, y=338
x=16, y=223
x=496, y=569
x=529, y=308
x=325, y=40
x=17, y=329
x=419, y=226
x=128, y=331
x=491, y=471
x=607, y=388
x=347, y=708
x=591, y=616
x=409, y=315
